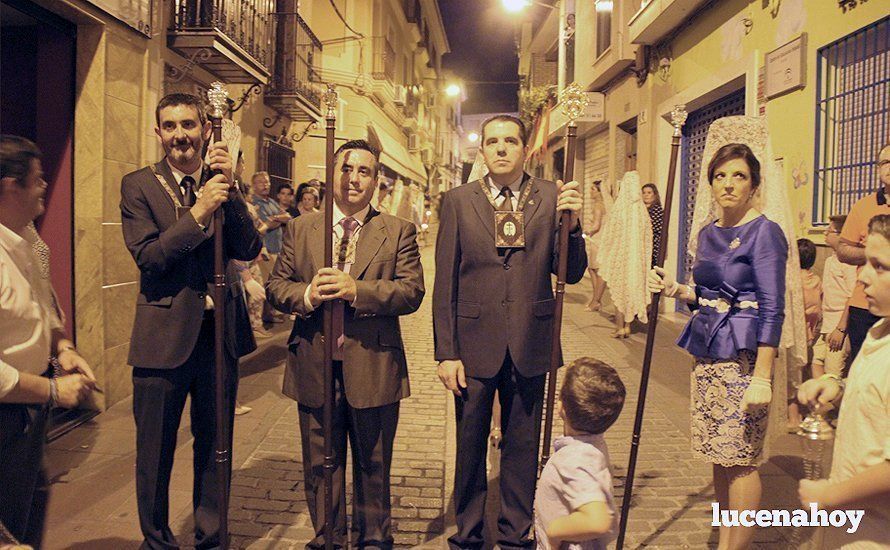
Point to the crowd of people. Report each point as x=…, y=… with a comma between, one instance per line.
x=760, y=315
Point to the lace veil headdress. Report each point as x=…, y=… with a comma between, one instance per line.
x=771, y=199
x=626, y=250
x=479, y=170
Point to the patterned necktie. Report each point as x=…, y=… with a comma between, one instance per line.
x=507, y=203
x=349, y=226
x=188, y=197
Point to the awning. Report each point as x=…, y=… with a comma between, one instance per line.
x=397, y=157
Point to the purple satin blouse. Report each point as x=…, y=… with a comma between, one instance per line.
x=739, y=274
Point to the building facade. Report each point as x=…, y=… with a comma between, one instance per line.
x=82, y=78
x=818, y=72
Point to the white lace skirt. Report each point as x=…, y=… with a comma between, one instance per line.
x=721, y=432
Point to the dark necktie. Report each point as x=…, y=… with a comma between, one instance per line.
x=188, y=197
x=349, y=226
x=507, y=203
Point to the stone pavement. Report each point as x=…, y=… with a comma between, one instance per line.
x=92, y=502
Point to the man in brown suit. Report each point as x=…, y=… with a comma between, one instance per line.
x=492, y=319
x=378, y=278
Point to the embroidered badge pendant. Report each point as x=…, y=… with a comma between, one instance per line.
x=509, y=225
x=509, y=229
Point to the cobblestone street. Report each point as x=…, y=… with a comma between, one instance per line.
x=93, y=497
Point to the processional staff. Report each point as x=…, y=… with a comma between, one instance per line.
x=218, y=99
x=331, y=101
x=678, y=118
x=573, y=101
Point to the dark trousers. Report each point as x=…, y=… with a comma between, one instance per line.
x=521, y=402
x=22, y=434
x=158, y=400
x=858, y=323
x=371, y=433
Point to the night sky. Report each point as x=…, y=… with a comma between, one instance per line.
x=482, y=37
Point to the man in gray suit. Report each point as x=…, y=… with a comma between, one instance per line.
x=492, y=317
x=166, y=215
x=377, y=278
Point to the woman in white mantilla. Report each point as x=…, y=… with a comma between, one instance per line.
x=626, y=240
x=748, y=304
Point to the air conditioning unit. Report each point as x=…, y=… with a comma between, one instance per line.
x=413, y=144
x=401, y=96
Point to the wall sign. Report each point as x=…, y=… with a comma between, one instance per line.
x=786, y=67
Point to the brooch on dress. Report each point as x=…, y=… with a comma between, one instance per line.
x=735, y=243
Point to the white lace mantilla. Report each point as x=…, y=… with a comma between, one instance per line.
x=626, y=250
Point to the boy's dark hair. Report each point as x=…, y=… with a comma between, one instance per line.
x=523, y=133
x=172, y=100
x=807, y=252
x=362, y=145
x=592, y=395
x=880, y=225
x=16, y=154
x=732, y=151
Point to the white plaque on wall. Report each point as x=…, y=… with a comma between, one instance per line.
x=786, y=67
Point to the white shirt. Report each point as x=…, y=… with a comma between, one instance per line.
x=863, y=436
x=360, y=216
x=27, y=314
x=495, y=191
x=838, y=282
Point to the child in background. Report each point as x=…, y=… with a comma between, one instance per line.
x=860, y=466
x=573, y=503
x=812, y=302
x=838, y=281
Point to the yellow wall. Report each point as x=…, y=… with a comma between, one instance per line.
x=715, y=50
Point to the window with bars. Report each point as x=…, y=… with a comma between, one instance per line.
x=279, y=163
x=852, y=120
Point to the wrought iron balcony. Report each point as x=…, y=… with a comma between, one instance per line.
x=230, y=38
x=294, y=91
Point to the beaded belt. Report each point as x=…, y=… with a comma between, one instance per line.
x=722, y=305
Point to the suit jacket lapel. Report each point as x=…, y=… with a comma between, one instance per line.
x=534, y=200
x=369, y=241
x=483, y=207
x=316, y=244
x=163, y=169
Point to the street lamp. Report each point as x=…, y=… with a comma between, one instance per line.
x=473, y=137
x=516, y=6
x=452, y=90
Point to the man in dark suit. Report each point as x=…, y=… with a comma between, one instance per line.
x=377, y=278
x=492, y=319
x=167, y=230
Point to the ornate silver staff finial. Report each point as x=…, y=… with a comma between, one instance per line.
x=573, y=101
x=218, y=97
x=678, y=118
x=331, y=101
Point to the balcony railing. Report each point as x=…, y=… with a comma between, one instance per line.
x=294, y=90
x=237, y=36
x=384, y=59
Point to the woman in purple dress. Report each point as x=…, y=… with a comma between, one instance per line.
x=734, y=332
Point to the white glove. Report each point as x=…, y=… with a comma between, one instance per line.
x=658, y=280
x=758, y=394
x=255, y=290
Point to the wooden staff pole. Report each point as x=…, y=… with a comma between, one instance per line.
x=331, y=102
x=573, y=101
x=678, y=118
x=218, y=97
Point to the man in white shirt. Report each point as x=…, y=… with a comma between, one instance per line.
x=30, y=331
x=860, y=469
